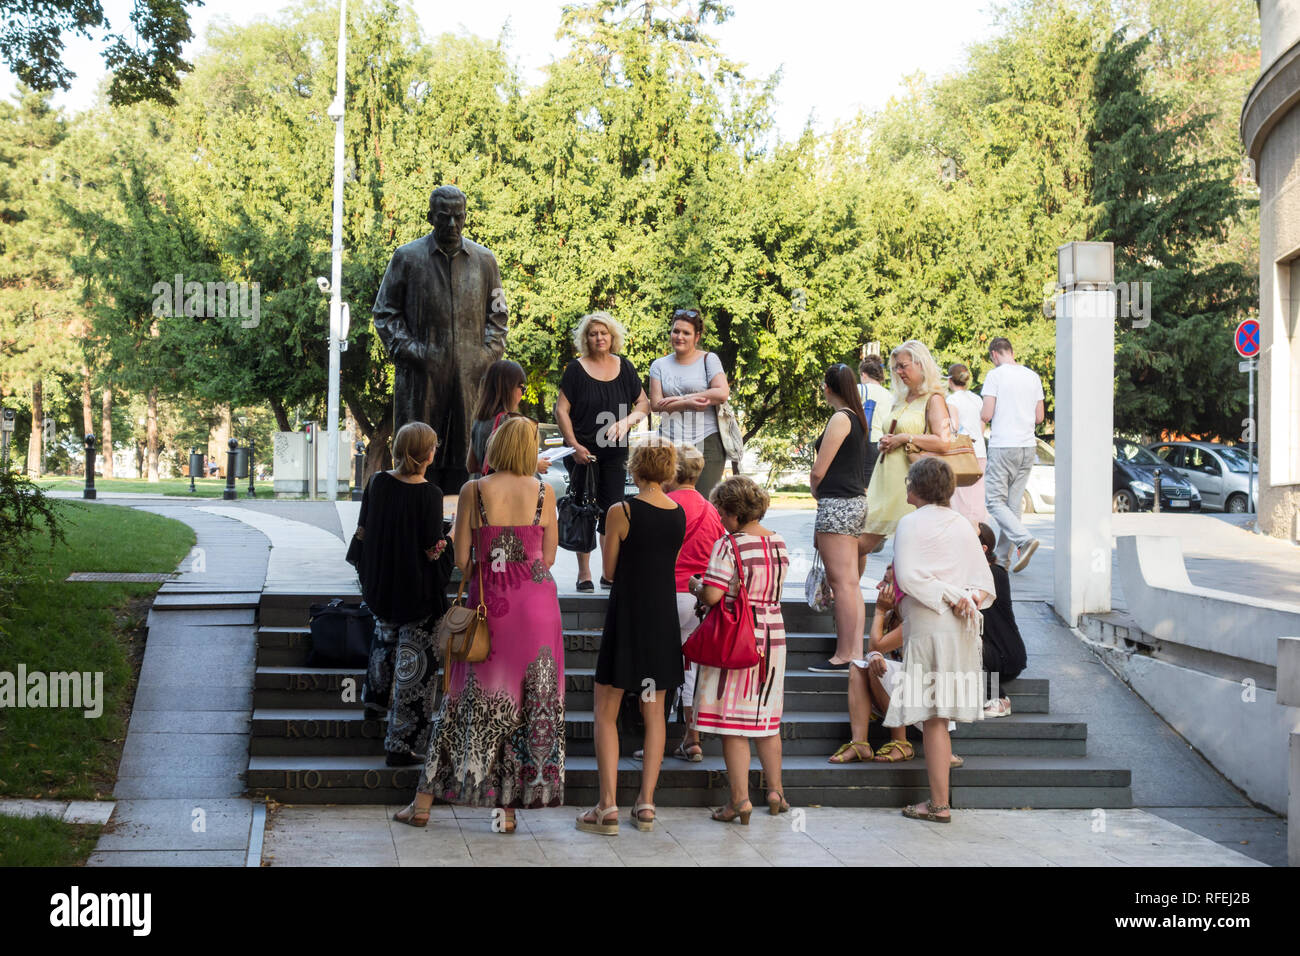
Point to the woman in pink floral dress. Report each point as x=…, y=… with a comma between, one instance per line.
x=498, y=738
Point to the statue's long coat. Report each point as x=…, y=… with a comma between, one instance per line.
x=443, y=322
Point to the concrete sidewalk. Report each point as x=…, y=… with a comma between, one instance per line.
x=818, y=836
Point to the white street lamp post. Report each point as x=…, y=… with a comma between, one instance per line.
x=336, y=270
x=1085, y=414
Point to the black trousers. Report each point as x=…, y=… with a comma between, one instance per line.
x=995, y=662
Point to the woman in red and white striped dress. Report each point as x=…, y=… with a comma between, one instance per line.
x=739, y=704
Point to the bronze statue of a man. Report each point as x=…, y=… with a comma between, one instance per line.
x=441, y=314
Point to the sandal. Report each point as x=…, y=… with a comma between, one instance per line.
x=645, y=826
x=692, y=752
x=778, y=805
x=931, y=812
x=732, y=813
x=956, y=762
x=412, y=816
x=894, y=752
x=842, y=755
x=598, y=824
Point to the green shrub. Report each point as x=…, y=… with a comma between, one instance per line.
x=25, y=512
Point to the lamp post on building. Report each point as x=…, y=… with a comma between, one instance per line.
x=1085, y=414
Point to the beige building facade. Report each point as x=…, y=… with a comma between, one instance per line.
x=1270, y=129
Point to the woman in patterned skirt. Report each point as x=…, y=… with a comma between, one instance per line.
x=739, y=704
x=498, y=738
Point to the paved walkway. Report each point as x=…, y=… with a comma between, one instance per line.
x=179, y=783
x=822, y=836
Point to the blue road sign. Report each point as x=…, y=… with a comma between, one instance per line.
x=1246, y=338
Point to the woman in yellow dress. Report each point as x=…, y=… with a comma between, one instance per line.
x=919, y=394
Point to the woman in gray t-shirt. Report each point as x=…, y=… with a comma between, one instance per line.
x=686, y=389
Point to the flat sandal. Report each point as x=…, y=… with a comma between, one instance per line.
x=931, y=814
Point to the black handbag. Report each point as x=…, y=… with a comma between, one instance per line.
x=340, y=635
x=577, y=513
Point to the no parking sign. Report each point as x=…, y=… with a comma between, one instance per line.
x=1246, y=338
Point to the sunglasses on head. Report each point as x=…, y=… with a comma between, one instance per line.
x=686, y=314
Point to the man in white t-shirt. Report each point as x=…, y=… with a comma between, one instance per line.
x=1013, y=405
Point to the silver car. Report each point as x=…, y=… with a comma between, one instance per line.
x=1219, y=472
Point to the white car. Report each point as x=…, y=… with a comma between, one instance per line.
x=1040, y=492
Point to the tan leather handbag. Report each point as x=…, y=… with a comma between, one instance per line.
x=960, y=455
x=463, y=633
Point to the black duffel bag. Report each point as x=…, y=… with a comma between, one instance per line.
x=577, y=513
x=340, y=635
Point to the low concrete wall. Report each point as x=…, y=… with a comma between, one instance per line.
x=1288, y=694
x=1237, y=726
x=1208, y=663
x=1168, y=606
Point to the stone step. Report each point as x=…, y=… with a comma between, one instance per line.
x=577, y=611
x=984, y=782
x=341, y=732
x=295, y=684
x=190, y=600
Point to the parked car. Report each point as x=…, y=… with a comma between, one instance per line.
x=1133, y=481
x=1040, y=492
x=1219, y=472
x=557, y=476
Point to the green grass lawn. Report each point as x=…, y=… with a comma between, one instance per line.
x=58, y=753
x=44, y=841
x=203, y=487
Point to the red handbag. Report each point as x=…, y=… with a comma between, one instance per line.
x=725, y=638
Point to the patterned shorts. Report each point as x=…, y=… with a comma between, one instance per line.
x=842, y=516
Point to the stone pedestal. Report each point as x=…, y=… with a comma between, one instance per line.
x=1085, y=406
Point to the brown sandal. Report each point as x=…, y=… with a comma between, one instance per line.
x=931, y=812
x=843, y=754
x=412, y=816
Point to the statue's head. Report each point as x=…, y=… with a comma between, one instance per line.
x=447, y=215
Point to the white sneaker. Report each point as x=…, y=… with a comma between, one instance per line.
x=1024, y=554
x=998, y=708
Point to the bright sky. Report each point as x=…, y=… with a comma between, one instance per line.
x=837, y=55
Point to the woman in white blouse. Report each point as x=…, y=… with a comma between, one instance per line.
x=945, y=580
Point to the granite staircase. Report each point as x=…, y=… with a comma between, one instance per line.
x=308, y=745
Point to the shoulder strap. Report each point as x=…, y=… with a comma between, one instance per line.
x=478, y=499
x=541, y=498
x=627, y=513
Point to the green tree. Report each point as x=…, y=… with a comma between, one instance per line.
x=1160, y=205
x=145, y=65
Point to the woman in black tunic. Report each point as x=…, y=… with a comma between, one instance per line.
x=405, y=562
x=601, y=399
x=641, y=649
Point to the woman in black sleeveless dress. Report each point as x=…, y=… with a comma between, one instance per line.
x=641, y=648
